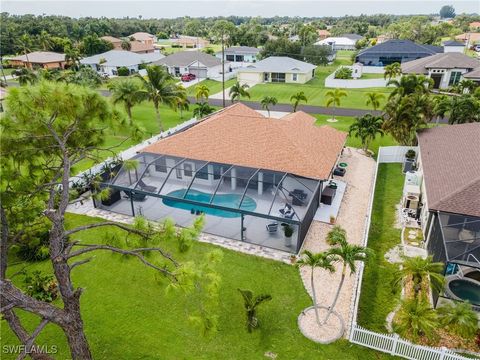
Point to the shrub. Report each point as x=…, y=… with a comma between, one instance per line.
x=343, y=73
x=123, y=71
x=410, y=154
x=33, y=244
x=40, y=286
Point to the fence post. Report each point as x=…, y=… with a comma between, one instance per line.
x=395, y=342
x=442, y=353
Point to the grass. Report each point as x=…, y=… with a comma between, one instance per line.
x=128, y=315
x=377, y=298
x=213, y=85
x=371, y=76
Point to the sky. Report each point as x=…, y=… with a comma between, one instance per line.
x=263, y=8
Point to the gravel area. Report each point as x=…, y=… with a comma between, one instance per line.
x=325, y=333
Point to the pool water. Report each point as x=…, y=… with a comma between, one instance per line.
x=465, y=290
x=226, y=200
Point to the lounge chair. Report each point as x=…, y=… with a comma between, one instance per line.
x=145, y=187
x=135, y=196
x=272, y=227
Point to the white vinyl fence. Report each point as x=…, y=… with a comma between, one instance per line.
x=393, y=154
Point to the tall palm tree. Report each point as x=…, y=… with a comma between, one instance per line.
x=467, y=86
x=464, y=109
x=267, y=101
x=334, y=98
x=202, y=109
x=392, y=71
x=373, y=99
x=336, y=235
x=366, y=128
x=459, y=317
x=126, y=45
x=26, y=76
x=237, y=91
x=322, y=260
x=161, y=89
x=416, y=318
x=129, y=92
x=45, y=40
x=441, y=107
x=183, y=104
x=25, y=42
x=72, y=56
x=202, y=92
x=297, y=98
x=251, y=303
x=418, y=270
x=348, y=255
x=410, y=84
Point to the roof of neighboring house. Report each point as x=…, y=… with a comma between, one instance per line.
x=323, y=32
x=141, y=36
x=111, y=39
x=279, y=64
x=450, y=157
x=137, y=46
x=355, y=37
x=440, y=61
x=474, y=25
x=241, y=136
x=474, y=74
x=472, y=37
x=186, y=58
x=184, y=39
x=453, y=43
x=241, y=50
x=40, y=57
x=337, y=41
x=121, y=58
x=396, y=46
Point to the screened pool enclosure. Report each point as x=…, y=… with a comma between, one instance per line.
x=257, y=206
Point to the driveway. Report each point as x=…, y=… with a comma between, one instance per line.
x=187, y=84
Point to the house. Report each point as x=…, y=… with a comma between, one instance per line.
x=469, y=38
x=342, y=42
x=453, y=46
x=393, y=51
x=249, y=175
x=109, y=62
x=239, y=56
x=383, y=38
x=193, y=42
x=144, y=38
x=449, y=166
x=277, y=69
x=323, y=34
x=135, y=45
x=474, y=25
x=446, y=69
x=194, y=62
x=39, y=59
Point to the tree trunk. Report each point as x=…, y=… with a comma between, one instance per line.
x=77, y=341
x=330, y=310
x=128, y=108
x=314, y=296
x=159, y=120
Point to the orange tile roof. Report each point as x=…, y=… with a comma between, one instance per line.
x=241, y=136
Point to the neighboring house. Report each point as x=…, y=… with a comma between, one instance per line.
x=248, y=174
x=39, y=59
x=323, y=34
x=144, y=38
x=193, y=42
x=194, y=62
x=449, y=165
x=342, y=42
x=240, y=56
x=470, y=38
x=278, y=69
x=383, y=38
x=109, y=62
x=393, y=51
x=474, y=25
x=135, y=45
x=453, y=46
x=445, y=69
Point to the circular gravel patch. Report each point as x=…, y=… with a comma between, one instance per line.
x=326, y=333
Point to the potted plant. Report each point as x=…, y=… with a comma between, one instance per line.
x=332, y=219
x=293, y=259
x=288, y=232
x=409, y=160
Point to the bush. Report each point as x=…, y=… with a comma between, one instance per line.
x=33, y=244
x=123, y=71
x=343, y=73
x=41, y=287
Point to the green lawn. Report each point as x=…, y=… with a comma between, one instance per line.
x=377, y=298
x=127, y=314
x=214, y=86
x=8, y=71
x=371, y=76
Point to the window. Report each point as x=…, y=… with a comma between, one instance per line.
x=294, y=77
x=230, y=57
x=278, y=77
x=265, y=77
x=188, y=169
x=239, y=58
x=454, y=78
x=161, y=165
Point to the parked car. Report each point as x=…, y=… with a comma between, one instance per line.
x=188, y=77
x=476, y=48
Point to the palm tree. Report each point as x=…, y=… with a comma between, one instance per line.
x=45, y=40
x=26, y=76
x=334, y=98
x=126, y=44
x=321, y=260
x=25, y=42
x=336, y=235
x=161, y=89
x=459, y=317
x=202, y=109
x=410, y=84
x=419, y=270
x=373, y=98
x=392, y=71
x=129, y=92
x=72, y=56
x=202, y=92
x=416, y=318
x=267, y=101
x=348, y=255
x=442, y=105
x=467, y=86
x=366, y=128
x=297, y=98
x=238, y=90
x=464, y=109
x=251, y=303
x=183, y=104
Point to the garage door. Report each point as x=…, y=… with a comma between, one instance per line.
x=248, y=78
x=199, y=72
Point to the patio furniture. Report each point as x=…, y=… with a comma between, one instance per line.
x=339, y=171
x=328, y=194
x=135, y=196
x=272, y=227
x=114, y=196
x=332, y=185
x=299, y=197
x=145, y=187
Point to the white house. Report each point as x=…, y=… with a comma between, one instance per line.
x=343, y=42
x=194, y=62
x=109, y=62
x=453, y=46
x=240, y=56
x=445, y=69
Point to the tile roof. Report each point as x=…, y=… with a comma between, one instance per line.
x=396, y=46
x=185, y=58
x=440, y=61
x=142, y=36
x=241, y=50
x=111, y=39
x=472, y=37
x=355, y=37
x=121, y=58
x=474, y=74
x=279, y=64
x=453, y=43
x=450, y=158
x=40, y=57
x=241, y=136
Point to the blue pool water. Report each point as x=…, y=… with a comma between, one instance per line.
x=226, y=200
x=466, y=290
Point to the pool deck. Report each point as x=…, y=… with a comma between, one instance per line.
x=324, y=212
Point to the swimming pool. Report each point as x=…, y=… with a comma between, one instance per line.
x=465, y=289
x=226, y=200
